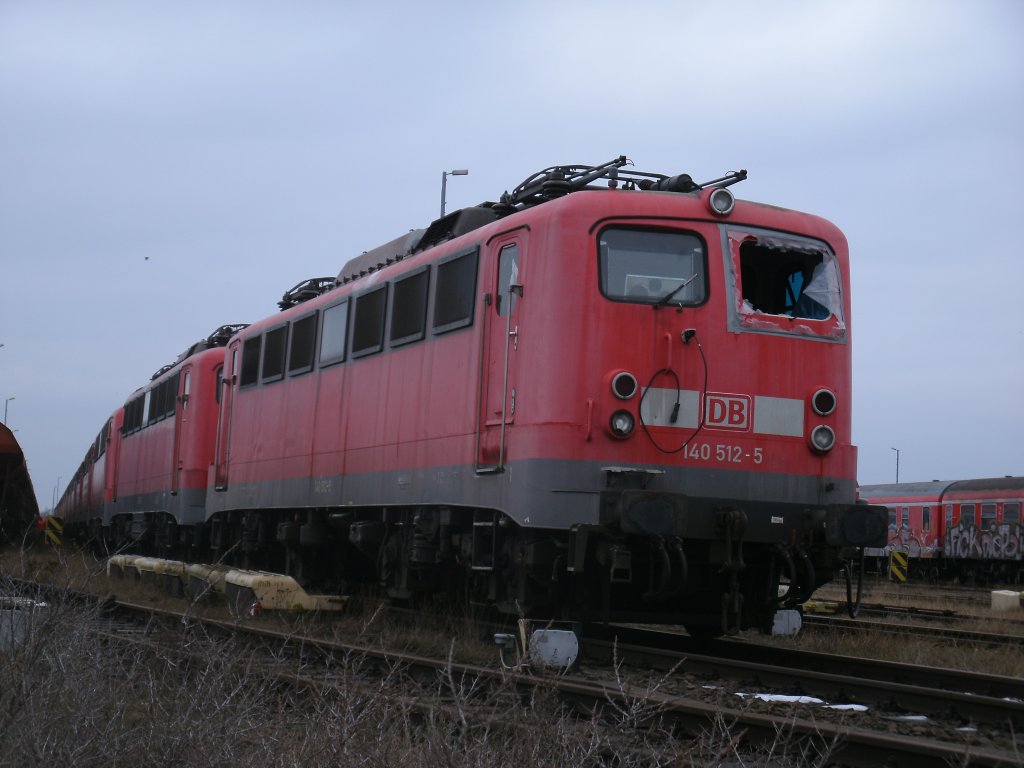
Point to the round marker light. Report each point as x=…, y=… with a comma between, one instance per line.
x=621, y=423
x=823, y=402
x=624, y=385
x=822, y=438
x=721, y=202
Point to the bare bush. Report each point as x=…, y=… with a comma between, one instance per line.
x=71, y=695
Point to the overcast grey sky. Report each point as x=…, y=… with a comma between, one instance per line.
x=167, y=167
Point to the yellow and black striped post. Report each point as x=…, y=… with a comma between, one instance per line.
x=54, y=530
x=898, y=566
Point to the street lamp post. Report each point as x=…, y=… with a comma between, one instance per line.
x=897, y=464
x=8, y=400
x=444, y=183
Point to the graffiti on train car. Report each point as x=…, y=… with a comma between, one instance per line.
x=998, y=542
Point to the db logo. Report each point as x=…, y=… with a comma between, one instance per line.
x=727, y=411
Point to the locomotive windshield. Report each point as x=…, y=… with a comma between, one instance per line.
x=648, y=267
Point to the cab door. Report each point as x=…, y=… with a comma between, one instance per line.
x=501, y=344
x=227, y=386
x=180, y=418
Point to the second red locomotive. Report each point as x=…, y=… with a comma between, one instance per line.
x=611, y=394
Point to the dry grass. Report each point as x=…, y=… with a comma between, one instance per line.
x=977, y=616
x=69, y=698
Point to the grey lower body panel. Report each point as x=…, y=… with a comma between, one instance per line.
x=188, y=506
x=554, y=494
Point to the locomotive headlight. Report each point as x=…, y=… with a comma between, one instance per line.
x=621, y=423
x=822, y=438
x=624, y=385
x=721, y=202
x=823, y=402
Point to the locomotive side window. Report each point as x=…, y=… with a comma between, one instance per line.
x=132, y=416
x=651, y=267
x=368, y=324
x=454, y=292
x=273, y=353
x=409, y=307
x=333, y=334
x=303, y=345
x=251, y=361
x=171, y=394
x=219, y=384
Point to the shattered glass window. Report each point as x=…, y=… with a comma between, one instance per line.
x=783, y=283
x=794, y=282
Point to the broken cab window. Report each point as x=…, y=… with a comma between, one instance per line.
x=782, y=281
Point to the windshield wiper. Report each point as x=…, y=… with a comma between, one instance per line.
x=677, y=289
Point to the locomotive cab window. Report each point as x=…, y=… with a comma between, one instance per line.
x=784, y=283
x=368, y=323
x=652, y=267
x=508, y=275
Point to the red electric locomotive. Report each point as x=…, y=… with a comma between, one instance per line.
x=612, y=394
x=147, y=472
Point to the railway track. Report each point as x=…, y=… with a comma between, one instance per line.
x=816, y=621
x=954, y=698
x=889, y=592
x=699, y=687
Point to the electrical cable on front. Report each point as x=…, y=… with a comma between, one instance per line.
x=688, y=334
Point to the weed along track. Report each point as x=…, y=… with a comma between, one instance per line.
x=438, y=689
